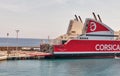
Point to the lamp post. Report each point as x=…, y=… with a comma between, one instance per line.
x=17, y=31
x=7, y=45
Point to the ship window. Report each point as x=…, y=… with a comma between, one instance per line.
x=83, y=37
x=64, y=41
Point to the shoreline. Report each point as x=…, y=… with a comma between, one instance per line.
x=21, y=55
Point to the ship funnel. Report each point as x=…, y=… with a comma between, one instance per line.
x=76, y=17
x=80, y=19
x=93, y=26
x=99, y=18
x=94, y=16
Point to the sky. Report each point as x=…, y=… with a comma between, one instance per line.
x=43, y=18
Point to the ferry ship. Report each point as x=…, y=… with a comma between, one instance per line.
x=96, y=41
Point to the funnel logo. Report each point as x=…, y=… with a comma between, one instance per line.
x=92, y=26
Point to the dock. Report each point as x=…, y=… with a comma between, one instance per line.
x=24, y=55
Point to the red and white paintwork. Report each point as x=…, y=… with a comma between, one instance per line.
x=88, y=46
x=97, y=40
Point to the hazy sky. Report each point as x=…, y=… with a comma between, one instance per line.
x=40, y=18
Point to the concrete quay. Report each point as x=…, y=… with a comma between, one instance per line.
x=24, y=57
x=21, y=55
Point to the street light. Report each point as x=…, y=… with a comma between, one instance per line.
x=17, y=31
x=7, y=45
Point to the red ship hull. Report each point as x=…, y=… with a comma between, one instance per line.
x=87, y=49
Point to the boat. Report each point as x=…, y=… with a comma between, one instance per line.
x=96, y=41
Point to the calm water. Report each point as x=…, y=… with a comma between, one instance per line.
x=63, y=67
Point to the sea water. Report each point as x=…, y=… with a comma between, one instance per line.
x=30, y=42
x=61, y=67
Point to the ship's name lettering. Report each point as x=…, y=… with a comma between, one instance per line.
x=107, y=47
